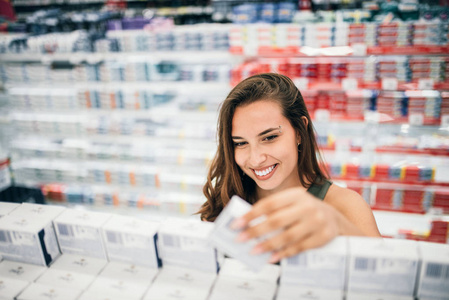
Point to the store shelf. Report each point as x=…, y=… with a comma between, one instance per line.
x=94, y=57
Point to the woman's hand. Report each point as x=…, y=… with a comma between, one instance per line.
x=298, y=220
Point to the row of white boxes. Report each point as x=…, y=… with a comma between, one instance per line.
x=108, y=256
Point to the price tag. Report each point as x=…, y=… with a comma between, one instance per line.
x=322, y=115
x=416, y=119
x=445, y=120
x=389, y=84
x=349, y=84
x=301, y=83
x=359, y=49
x=425, y=84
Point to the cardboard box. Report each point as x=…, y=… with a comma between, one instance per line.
x=28, y=239
x=11, y=288
x=322, y=268
x=80, y=232
x=130, y=273
x=181, y=283
x=433, y=281
x=223, y=236
x=7, y=207
x=238, y=280
x=88, y=295
x=382, y=266
x=184, y=243
x=79, y=264
x=20, y=271
x=121, y=289
x=66, y=279
x=39, y=291
x=359, y=296
x=289, y=292
x=132, y=241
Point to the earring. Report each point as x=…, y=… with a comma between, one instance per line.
x=280, y=128
x=299, y=147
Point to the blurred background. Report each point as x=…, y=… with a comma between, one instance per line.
x=112, y=105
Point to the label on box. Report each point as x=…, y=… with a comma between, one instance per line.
x=359, y=49
x=389, y=84
x=425, y=84
x=66, y=279
x=349, y=84
x=445, y=120
x=79, y=264
x=301, y=83
x=416, y=119
x=322, y=115
x=20, y=271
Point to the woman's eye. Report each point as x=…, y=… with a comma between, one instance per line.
x=239, y=144
x=270, y=138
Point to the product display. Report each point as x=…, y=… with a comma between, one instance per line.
x=352, y=266
x=112, y=108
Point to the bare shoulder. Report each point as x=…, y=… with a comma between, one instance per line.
x=340, y=197
x=353, y=207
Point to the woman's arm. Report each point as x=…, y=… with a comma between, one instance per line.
x=301, y=221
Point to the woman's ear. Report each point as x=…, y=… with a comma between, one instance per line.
x=305, y=120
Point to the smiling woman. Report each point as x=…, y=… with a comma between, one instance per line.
x=268, y=155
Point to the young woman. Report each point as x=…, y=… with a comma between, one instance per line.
x=267, y=155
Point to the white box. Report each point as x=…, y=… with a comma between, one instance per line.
x=359, y=296
x=103, y=286
x=38, y=291
x=322, y=268
x=28, y=239
x=49, y=212
x=7, y=207
x=181, y=283
x=235, y=269
x=433, y=279
x=20, y=271
x=224, y=237
x=238, y=280
x=168, y=291
x=382, y=266
x=10, y=288
x=79, y=232
x=289, y=292
x=238, y=288
x=130, y=273
x=132, y=241
x=183, y=243
x=80, y=264
x=88, y=295
x=186, y=277
x=66, y=279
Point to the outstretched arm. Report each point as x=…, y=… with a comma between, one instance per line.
x=300, y=221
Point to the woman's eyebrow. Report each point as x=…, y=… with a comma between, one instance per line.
x=260, y=134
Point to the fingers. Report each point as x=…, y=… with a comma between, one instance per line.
x=311, y=241
x=267, y=206
x=282, y=218
x=292, y=235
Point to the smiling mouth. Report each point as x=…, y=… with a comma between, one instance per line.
x=266, y=171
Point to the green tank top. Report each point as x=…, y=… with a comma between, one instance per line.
x=319, y=190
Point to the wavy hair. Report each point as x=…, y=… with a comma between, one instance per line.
x=225, y=178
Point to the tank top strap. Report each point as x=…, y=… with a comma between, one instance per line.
x=319, y=190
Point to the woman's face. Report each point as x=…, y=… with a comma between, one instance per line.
x=265, y=146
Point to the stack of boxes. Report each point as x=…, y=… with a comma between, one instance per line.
x=394, y=34
x=365, y=33
x=126, y=265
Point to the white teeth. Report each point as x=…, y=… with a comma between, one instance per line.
x=264, y=172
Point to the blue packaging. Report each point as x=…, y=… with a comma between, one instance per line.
x=267, y=12
x=245, y=13
x=285, y=12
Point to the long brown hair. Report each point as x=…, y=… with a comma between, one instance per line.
x=225, y=178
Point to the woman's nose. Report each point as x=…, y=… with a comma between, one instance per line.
x=257, y=156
